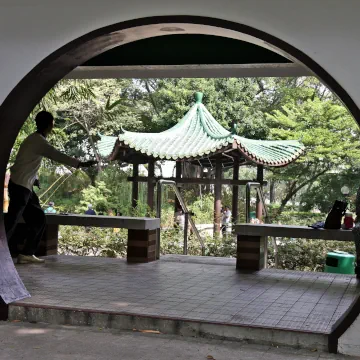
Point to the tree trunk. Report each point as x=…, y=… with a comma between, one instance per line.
x=97, y=156
x=272, y=191
x=92, y=143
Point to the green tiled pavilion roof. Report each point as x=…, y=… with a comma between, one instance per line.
x=199, y=135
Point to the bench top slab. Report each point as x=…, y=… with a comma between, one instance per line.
x=125, y=222
x=292, y=231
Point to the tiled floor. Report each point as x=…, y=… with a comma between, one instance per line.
x=204, y=289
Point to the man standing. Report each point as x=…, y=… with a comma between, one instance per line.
x=23, y=200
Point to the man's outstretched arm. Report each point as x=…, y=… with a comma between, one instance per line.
x=48, y=151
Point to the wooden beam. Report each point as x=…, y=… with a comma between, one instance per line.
x=235, y=195
x=217, y=198
x=189, y=71
x=196, y=180
x=151, y=184
x=135, y=186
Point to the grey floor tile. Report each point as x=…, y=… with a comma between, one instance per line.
x=201, y=291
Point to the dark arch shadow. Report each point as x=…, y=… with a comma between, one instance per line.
x=29, y=91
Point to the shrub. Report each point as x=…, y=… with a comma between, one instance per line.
x=305, y=254
x=75, y=240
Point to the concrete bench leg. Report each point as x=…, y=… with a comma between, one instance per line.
x=49, y=242
x=141, y=246
x=251, y=252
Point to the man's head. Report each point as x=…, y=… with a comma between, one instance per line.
x=44, y=122
x=89, y=206
x=227, y=208
x=51, y=203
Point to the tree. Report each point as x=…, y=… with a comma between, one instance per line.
x=328, y=132
x=230, y=101
x=114, y=104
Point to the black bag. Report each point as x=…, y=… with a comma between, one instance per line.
x=333, y=220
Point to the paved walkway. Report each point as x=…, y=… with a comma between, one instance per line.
x=35, y=341
x=196, y=288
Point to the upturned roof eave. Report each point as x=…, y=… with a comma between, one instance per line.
x=234, y=145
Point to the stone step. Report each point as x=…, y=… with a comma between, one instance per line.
x=168, y=325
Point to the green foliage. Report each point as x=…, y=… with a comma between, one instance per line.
x=329, y=133
x=305, y=254
x=301, y=218
x=98, y=196
x=74, y=240
x=172, y=242
x=228, y=100
x=203, y=209
x=323, y=192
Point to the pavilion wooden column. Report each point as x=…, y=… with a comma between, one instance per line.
x=235, y=197
x=217, y=198
x=151, y=184
x=177, y=178
x=135, y=186
x=260, y=179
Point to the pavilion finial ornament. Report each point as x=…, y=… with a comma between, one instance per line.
x=234, y=128
x=199, y=97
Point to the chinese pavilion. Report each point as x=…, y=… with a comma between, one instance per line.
x=199, y=139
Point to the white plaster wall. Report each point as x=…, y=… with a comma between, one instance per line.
x=349, y=342
x=326, y=30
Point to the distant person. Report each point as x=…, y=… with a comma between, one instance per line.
x=90, y=210
x=23, y=176
x=50, y=209
x=180, y=219
x=226, y=219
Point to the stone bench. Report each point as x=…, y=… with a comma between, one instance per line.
x=252, y=240
x=141, y=233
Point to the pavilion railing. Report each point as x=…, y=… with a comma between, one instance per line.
x=187, y=214
x=260, y=194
